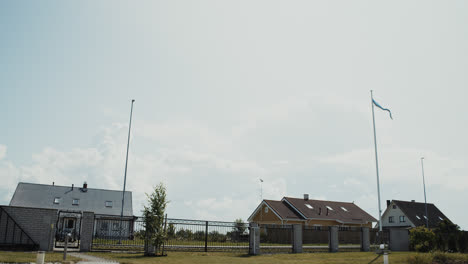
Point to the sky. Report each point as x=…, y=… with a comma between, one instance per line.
x=231, y=92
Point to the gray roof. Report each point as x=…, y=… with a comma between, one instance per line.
x=411, y=209
x=93, y=200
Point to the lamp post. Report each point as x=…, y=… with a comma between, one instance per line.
x=424, y=185
x=125, y=174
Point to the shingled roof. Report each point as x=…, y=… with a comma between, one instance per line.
x=283, y=210
x=91, y=200
x=343, y=212
x=290, y=208
x=411, y=209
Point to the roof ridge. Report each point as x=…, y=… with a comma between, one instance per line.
x=317, y=200
x=68, y=186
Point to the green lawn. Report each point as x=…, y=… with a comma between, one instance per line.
x=233, y=258
x=9, y=256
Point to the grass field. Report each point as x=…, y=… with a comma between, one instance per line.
x=232, y=258
x=11, y=257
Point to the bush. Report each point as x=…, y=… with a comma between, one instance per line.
x=449, y=258
x=422, y=239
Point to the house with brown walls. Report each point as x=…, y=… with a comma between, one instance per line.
x=310, y=213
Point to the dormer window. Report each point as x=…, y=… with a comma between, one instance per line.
x=425, y=217
x=108, y=203
x=417, y=216
x=76, y=202
x=309, y=206
x=441, y=219
x=56, y=200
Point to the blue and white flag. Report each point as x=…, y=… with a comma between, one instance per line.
x=385, y=109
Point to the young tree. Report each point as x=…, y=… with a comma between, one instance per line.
x=153, y=215
x=239, y=226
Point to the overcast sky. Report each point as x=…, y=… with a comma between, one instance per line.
x=228, y=92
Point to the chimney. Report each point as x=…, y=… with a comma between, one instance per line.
x=388, y=203
x=85, y=187
x=413, y=201
x=320, y=210
x=53, y=183
x=72, y=186
x=306, y=196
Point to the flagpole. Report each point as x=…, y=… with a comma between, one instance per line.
x=424, y=184
x=125, y=174
x=376, y=164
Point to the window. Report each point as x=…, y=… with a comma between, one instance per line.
x=56, y=200
x=424, y=217
x=419, y=218
x=70, y=223
x=402, y=219
x=390, y=219
x=329, y=208
x=309, y=206
x=344, y=209
x=266, y=209
x=108, y=203
x=76, y=202
x=441, y=219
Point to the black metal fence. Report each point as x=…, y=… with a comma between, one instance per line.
x=113, y=233
x=315, y=238
x=197, y=235
x=182, y=235
x=12, y=236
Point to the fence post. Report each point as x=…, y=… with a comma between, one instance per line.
x=206, y=236
x=297, y=238
x=254, y=239
x=333, y=239
x=365, y=239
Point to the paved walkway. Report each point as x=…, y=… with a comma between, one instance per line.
x=91, y=259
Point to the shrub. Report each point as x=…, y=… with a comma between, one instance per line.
x=422, y=239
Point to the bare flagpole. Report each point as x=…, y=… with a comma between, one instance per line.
x=376, y=164
x=424, y=184
x=125, y=174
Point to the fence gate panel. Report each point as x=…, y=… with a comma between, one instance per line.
x=115, y=233
x=68, y=224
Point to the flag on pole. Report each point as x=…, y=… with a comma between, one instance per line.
x=385, y=109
